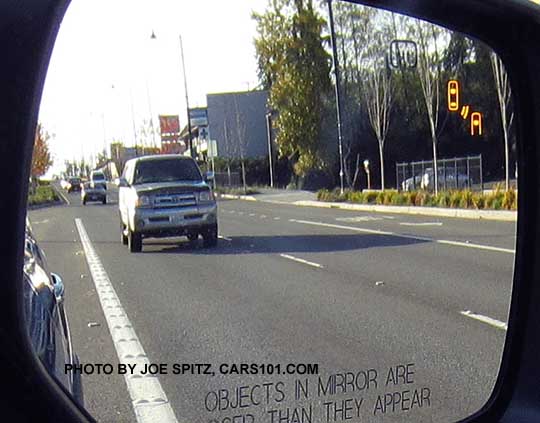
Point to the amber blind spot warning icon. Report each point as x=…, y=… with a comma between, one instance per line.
x=453, y=95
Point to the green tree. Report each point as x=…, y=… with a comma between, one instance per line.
x=295, y=67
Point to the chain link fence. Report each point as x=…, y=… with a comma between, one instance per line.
x=456, y=173
x=228, y=179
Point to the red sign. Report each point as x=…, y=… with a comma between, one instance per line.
x=169, y=125
x=172, y=147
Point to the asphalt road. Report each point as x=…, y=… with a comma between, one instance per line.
x=418, y=305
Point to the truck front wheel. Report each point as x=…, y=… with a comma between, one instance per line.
x=210, y=236
x=134, y=241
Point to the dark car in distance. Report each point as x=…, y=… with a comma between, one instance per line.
x=73, y=184
x=90, y=192
x=98, y=179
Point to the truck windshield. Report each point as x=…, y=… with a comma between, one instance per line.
x=170, y=170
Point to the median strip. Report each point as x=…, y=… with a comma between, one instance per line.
x=413, y=237
x=149, y=401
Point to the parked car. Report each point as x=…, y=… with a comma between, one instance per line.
x=46, y=318
x=447, y=179
x=97, y=178
x=90, y=192
x=411, y=183
x=165, y=196
x=73, y=184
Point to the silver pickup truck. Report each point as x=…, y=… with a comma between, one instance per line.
x=165, y=196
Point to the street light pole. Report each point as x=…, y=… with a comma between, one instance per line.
x=190, y=139
x=368, y=173
x=338, y=91
x=270, y=159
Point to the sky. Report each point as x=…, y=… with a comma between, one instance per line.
x=107, y=76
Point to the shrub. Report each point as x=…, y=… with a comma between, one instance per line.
x=380, y=198
x=356, y=197
x=388, y=196
x=465, y=201
x=398, y=199
x=478, y=201
x=410, y=198
x=44, y=194
x=455, y=199
x=509, y=200
x=443, y=199
x=371, y=197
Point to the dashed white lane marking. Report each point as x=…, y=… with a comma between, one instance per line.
x=421, y=224
x=148, y=398
x=262, y=216
x=299, y=260
x=359, y=219
x=489, y=320
x=252, y=214
x=224, y=237
x=277, y=218
x=414, y=237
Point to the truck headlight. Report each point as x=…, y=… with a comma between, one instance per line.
x=206, y=196
x=144, y=201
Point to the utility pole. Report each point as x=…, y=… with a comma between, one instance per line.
x=338, y=91
x=190, y=139
x=270, y=158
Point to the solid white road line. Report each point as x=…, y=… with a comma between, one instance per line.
x=413, y=237
x=148, y=398
x=64, y=197
x=224, y=237
x=421, y=224
x=299, y=260
x=490, y=321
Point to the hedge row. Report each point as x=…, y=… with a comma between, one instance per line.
x=44, y=194
x=497, y=200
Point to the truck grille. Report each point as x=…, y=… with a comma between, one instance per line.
x=175, y=200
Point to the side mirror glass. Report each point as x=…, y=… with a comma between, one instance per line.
x=59, y=289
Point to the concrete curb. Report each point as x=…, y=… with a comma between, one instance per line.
x=238, y=197
x=499, y=215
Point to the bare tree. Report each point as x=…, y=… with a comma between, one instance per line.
x=504, y=94
x=431, y=38
x=379, y=99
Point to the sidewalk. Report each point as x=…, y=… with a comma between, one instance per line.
x=309, y=199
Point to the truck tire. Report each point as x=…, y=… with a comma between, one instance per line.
x=104, y=201
x=134, y=241
x=210, y=236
